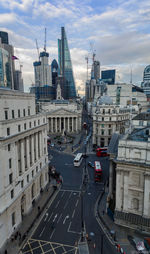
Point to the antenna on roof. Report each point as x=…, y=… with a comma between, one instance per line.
x=37, y=49
x=45, y=41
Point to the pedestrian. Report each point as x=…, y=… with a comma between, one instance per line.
x=5, y=252
x=103, y=212
x=19, y=235
x=38, y=208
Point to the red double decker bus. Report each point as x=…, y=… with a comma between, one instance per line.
x=97, y=171
x=101, y=152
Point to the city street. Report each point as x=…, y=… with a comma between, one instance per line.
x=59, y=230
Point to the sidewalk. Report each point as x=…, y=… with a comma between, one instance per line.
x=115, y=233
x=14, y=244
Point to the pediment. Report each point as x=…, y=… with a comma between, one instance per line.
x=62, y=112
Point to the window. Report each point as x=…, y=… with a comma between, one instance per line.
x=102, y=132
x=43, y=120
x=30, y=125
x=34, y=123
x=32, y=173
x=110, y=119
x=24, y=126
x=18, y=112
x=10, y=178
x=38, y=122
x=13, y=114
x=27, y=178
x=109, y=125
x=6, y=114
x=109, y=111
x=28, y=111
x=12, y=193
x=102, y=118
x=103, y=111
x=40, y=164
x=44, y=150
x=8, y=131
x=8, y=147
x=102, y=125
x=45, y=160
x=24, y=112
x=19, y=127
x=13, y=219
x=9, y=163
x=109, y=132
x=22, y=184
x=37, y=169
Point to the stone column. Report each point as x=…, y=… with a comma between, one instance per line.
x=16, y=158
x=42, y=144
x=51, y=125
x=76, y=124
x=32, y=148
x=56, y=124
x=36, y=146
x=119, y=190
x=40, y=141
x=27, y=153
x=22, y=156
x=68, y=125
x=64, y=124
x=72, y=125
x=60, y=123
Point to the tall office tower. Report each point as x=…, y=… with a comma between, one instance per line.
x=65, y=66
x=96, y=70
x=146, y=82
x=4, y=43
x=5, y=69
x=54, y=69
x=108, y=76
x=18, y=81
x=4, y=37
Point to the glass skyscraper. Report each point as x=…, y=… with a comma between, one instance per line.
x=65, y=66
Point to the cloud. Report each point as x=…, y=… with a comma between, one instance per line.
x=23, y=5
x=7, y=18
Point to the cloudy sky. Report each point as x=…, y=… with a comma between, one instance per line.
x=118, y=31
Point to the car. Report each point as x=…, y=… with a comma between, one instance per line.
x=90, y=164
x=52, y=145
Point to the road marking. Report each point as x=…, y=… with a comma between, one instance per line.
x=50, y=216
x=66, y=204
x=77, y=203
x=42, y=231
x=57, y=204
x=52, y=233
x=70, y=194
x=69, y=226
x=73, y=213
x=59, y=218
x=55, y=217
x=46, y=215
x=62, y=193
x=65, y=219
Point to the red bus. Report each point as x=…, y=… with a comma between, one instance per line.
x=97, y=171
x=101, y=152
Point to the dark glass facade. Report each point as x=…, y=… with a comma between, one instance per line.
x=5, y=69
x=4, y=37
x=65, y=66
x=108, y=76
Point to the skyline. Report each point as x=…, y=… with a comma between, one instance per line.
x=117, y=31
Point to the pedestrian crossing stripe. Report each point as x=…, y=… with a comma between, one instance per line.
x=33, y=245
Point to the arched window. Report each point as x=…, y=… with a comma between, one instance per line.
x=135, y=204
x=33, y=191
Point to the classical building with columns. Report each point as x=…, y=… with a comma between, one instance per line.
x=23, y=156
x=132, y=207
x=107, y=119
x=63, y=115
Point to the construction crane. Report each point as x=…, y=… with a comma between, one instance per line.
x=45, y=41
x=37, y=49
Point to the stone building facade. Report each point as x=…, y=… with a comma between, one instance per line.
x=107, y=119
x=63, y=115
x=23, y=156
x=133, y=181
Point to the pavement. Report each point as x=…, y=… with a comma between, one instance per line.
x=17, y=240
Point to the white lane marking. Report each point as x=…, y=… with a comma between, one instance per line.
x=78, y=191
x=65, y=219
x=66, y=204
x=52, y=233
x=42, y=231
x=69, y=226
x=77, y=203
x=62, y=194
x=55, y=217
x=73, y=213
x=68, y=164
x=59, y=218
x=57, y=204
x=70, y=194
x=50, y=216
x=46, y=215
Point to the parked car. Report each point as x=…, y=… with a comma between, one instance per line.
x=52, y=145
x=90, y=164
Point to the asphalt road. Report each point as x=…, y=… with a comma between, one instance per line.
x=60, y=228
